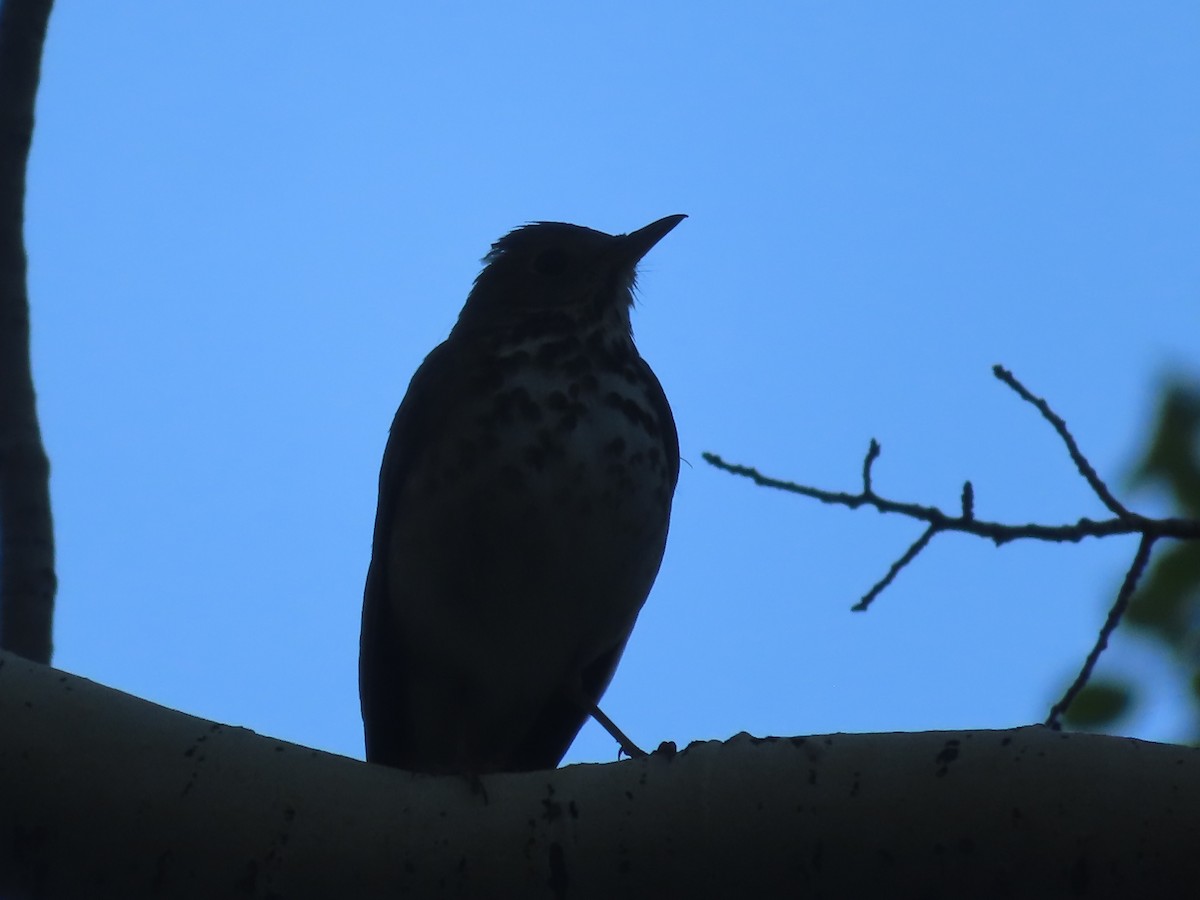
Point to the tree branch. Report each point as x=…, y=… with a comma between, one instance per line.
x=105, y=795
x=27, y=579
x=997, y=532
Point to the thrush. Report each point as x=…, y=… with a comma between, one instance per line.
x=524, y=500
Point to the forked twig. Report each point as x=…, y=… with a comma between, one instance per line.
x=1123, y=522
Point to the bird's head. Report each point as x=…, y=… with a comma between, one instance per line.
x=552, y=271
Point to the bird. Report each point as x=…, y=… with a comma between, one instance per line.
x=524, y=502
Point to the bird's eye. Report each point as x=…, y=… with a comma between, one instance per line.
x=551, y=261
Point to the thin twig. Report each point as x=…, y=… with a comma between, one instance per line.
x=909, y=555
x=1115, y=613
x=1085, y=468
x=873, y=452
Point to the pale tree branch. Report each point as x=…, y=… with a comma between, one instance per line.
x=27, y=579
x=105, y=795
x=1123, y=522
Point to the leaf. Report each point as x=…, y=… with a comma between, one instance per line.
x=1173, y=458
x=1100, y=703
x=1166, y=599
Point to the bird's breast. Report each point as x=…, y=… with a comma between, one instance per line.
x=569, y=429
x=553, y=476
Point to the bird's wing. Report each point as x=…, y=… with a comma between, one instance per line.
x=662, y=411
x=379, y=671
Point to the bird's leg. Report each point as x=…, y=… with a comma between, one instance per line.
x=630, y=749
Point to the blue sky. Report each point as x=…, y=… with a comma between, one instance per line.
x=248, y=223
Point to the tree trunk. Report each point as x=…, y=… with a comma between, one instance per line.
x=27, y=579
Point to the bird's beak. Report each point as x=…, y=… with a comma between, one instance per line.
x=638, y=243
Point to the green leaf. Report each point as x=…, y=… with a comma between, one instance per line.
x=1100, y=703
x=1165, y=601
x=1173, y=458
